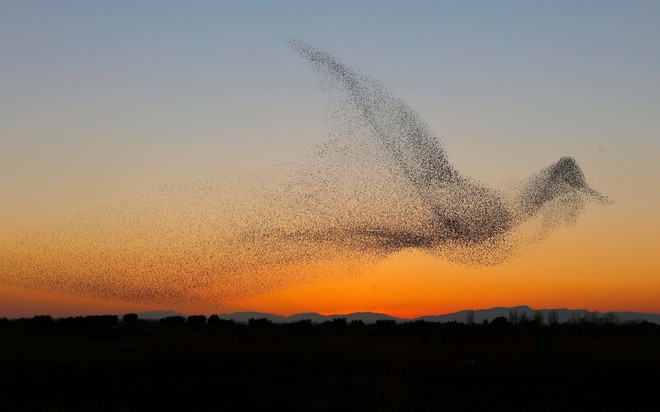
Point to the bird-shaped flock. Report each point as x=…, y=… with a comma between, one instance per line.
x=381, y=183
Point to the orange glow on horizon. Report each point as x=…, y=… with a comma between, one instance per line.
x=556, y=274
x=580, y=267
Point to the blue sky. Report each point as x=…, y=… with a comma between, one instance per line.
x=105, y=99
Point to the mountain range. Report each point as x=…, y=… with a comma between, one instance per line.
x=478, y=316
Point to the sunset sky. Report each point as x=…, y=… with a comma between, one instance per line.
x=102, y=102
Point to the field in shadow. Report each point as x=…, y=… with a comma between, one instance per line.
x=106, y=363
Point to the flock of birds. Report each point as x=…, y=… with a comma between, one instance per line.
x=381, y=183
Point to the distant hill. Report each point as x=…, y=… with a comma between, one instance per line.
x=563, y=315
x=519, y=312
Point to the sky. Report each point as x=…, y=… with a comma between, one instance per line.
x=102, y=102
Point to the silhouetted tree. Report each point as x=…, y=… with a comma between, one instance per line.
x=215, y=320
x=357, y=323
x=173, y=320
x=470, y=317
x=500, y=321
x=196, y=320
x=130, y=318
x=591, y=317
x=523, y=317
x=42, y=319
x=538, y=317
x=513, y=316
x=386, y=323
x=304, y=322
x=301, y=325
x=101, y=320
x=334, y=323
x=553, y=317
x=259, y=323
x=610, y=318
x=71, y=322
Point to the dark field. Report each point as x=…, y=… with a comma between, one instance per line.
x=99, y=363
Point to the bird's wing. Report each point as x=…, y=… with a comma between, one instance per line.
x=405, y=136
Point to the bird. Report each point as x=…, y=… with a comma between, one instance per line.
x=383, y=187
x=464, y=211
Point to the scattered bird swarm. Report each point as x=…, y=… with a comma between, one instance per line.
x=381, y=183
